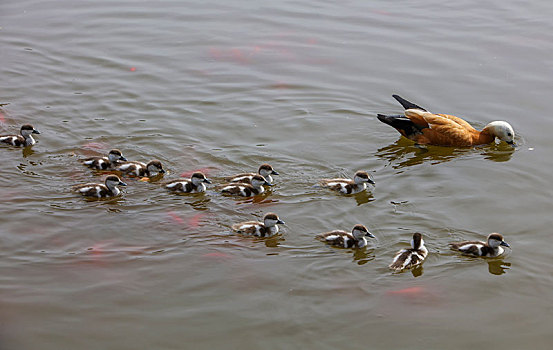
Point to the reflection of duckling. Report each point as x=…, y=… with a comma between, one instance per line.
x=194, y=185
x=103, y=163
x=408, y=258
x=476, y=248
x=25, y=139
x=339, y=238
x=141, y=169
x=348, y=186
x=246, y=190
x=266, y=228
x=264, y=170
x=424, y=127
x=109, y=189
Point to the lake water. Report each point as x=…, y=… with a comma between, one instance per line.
x=224, y=86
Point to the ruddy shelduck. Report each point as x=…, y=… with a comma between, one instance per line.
x=491, y=248
x=425, y=128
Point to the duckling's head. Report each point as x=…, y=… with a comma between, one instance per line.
x=502, y=130
x=271, y=219
x=360, y=231
x=114, y=180
x=417, y=242
x=115, y=155
x=495, y=240
x=198, y=178
x=259, y=180
x=27, y=130
x=155, y=166
x=361, y=177
x=266, y=169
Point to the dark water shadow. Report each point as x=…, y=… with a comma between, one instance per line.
x=363, y=255
x=498, y=266
x=404, y=153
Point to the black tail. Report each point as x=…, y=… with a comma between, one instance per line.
x=406, y=104
x=401, y=123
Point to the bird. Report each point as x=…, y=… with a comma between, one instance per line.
x=195, y=184
x=246, y=190
x=264, y=170
x=491, y=248
x=426, y=128
x=339, y=238
x=408, y=258
x=104, y=163
x=141, y=169
x=25, y=139
x=108, y=189
x=348, y=186
x=267, y=228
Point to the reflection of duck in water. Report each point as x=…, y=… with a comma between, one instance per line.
x=423, y=127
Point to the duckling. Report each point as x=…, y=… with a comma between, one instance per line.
x=246, y=190
x=194, y=185
x=339, y=238
x=347, y=186
x=25, y=139
x=492, y=248
x=264, y=170
x=427, y=128
x=408, y=258
x=104, y=163
x=109, y=189
x=140, y=169
x=267, y=228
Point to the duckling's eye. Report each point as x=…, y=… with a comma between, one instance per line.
x=509, y=134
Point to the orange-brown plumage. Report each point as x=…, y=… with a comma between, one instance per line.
x=427, y=128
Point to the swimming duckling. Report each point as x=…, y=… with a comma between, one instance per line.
x=427, y=128
x=339, y=238
x=264, y=170
x=266, y=228
x=140, y=169
x=476, y=248
x=246, y=190
x=109, y=189
x=347, y=186
x=408, y=258
x=104, y=163
x=194, y=185
x=25, y=139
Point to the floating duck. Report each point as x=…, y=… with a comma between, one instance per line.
x=141, y=169
x=427, y=128
x=339, y=238
x=408, y=258
x=492, y=248
x=264, y=170
x=246, y=190
x=266, y=228
x=348, y=186
x=109, y=189
x=196, y=184
x=25, y=139
x=104, y=163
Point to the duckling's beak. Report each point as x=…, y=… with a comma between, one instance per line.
x=512, y=143
x=207, y=181
x=274, y=173
x=281, y=222
x=121, y=183
x=505, y=244
x=371, y=181
x=368, y=234
x=162, y=171
x=268, y=184
x=35, y=131
x=123, y=158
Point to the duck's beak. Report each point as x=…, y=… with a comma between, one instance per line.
x=371, y=181
x=281, y=222
x=121, y=183
x=505, y=244
x=268, y=184
x=274, y=173
x=35, y=131
x=123, y=158
x=368, y=234
x=512, y=143
x=207, y=181
x=162, y=171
